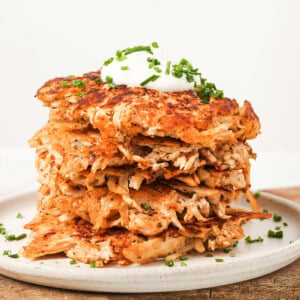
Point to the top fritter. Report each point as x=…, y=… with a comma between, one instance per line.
x=80, y=102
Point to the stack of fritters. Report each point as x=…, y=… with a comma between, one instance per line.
x=133, y=174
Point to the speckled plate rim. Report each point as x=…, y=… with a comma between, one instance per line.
x=154, y=278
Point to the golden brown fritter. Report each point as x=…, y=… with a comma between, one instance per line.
x=122, y=111
x=52, y=233
x=85, y=158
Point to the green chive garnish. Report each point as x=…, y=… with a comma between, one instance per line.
x=209, y=255
x=219, y=260
x=19, y=216
x=154, y=45
x=137, y=49
x=277, y=228
x=168, y=67
x=145, y=206
x=78, y=83
x=73, y=261
x=256, y=195
x=226, y=250
x=232, y=255
x=285, y=224
x=66, y=83
x=183, y=258
x=276, y=218
x=2, y=229
x=120, y=55
x=124, y=68
x=16, y=255
x=13, y=237
x=93, y=264
x=277, y=234
x=248, y=240
x=81, y=94
x=183, y=264
x=109, y=61
x=206, y=90
x=157, y=69
x=234, y=245
x=169, y=263
x=151, y=78
x=265, y=211
x=109, y=80
x=8, y=253
x=98, y=80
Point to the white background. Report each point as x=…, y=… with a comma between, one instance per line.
x=250, y=49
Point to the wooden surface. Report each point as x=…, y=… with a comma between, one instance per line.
x=282, y=284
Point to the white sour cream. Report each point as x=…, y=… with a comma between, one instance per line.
x=138, y=71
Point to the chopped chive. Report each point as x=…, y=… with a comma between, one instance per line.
x=73, y=261
x=183, y=258
x=168, y=67
x=149, y=79
x=277, y=228
x=8, y=253
x=277, y=234
x=92, y=264
x=219, y=260
x=145, y=206
x=21, y=236
x=71, y=75
x=13, y=237
x=137, y=49
x=226, y=250
x=124, y=68
x=265, y=211
x=291, y=242
x=120, y=55
x=66, y=83
x=16, y=255
x=232, y=255
x=157, y=69
x=234, y=245
x=81, y=94
x=276, y=218
x=98, y=80
x=218, y=94
x=10, y=237
x=155, y=45
x=169, y=263
x=248, y=240
x=78, y=83
x=109, y=80
x=209, y=255
x=109, y=61
x=2, y=229
x=256, y=195
x=19, y=216
x=285, y=224
x=183, y=264
x=153, y=62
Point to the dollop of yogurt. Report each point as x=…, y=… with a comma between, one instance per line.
x=134, y=71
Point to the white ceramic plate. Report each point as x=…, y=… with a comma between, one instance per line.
x=250, y=260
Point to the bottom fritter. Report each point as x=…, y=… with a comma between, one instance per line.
x=53, y=233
